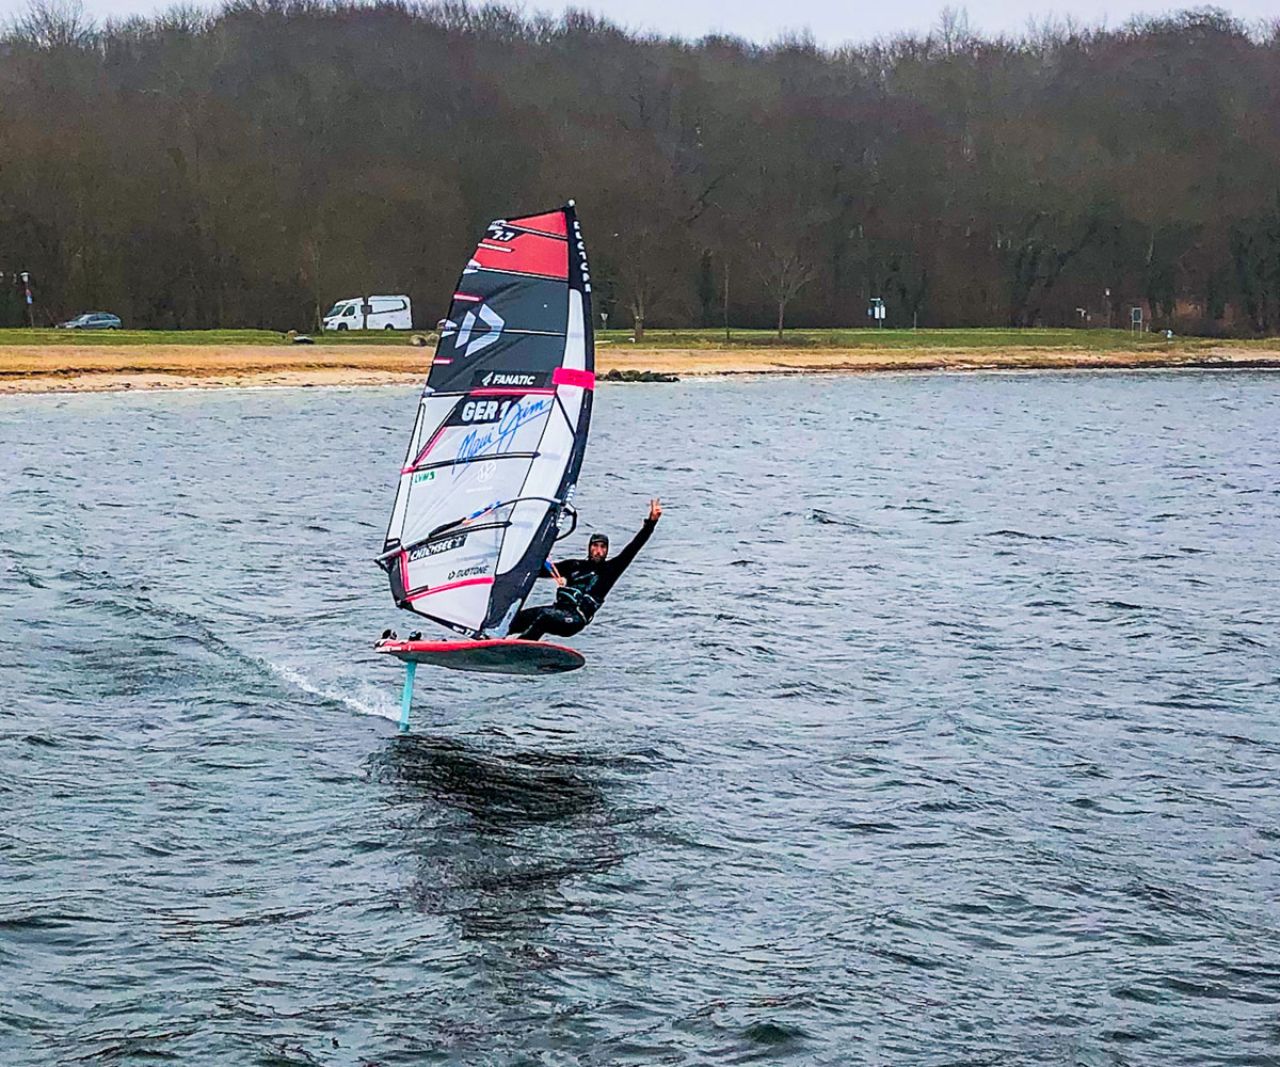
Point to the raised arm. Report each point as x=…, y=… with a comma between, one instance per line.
x=623, y=559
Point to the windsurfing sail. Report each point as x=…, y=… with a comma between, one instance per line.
x=501, y=428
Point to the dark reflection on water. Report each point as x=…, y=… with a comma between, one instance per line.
x=505, y=789
x=939, y=724
x=495, y=833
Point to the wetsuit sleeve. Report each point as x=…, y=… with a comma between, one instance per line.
x=567, y=568
x=623, y=559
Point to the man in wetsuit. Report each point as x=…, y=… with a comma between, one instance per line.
x=584, y=583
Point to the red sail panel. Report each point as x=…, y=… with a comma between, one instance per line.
x=551, y=223
x=524, y=253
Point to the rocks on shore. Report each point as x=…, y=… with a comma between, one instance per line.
x=637, y=376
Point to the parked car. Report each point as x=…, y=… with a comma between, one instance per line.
x=370, y=313
x=92, y=320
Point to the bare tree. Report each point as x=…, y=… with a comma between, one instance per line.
x=245, y=166
x=54, y=24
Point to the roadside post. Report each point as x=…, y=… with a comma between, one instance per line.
x=876, y=311
x=26, y=292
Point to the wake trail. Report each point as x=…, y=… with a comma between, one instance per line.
x=363, y=699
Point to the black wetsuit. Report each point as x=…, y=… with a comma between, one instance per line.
x=587, y=583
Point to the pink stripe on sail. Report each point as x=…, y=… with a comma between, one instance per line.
x=448, y=586
x=583, y=379
x=467, y=296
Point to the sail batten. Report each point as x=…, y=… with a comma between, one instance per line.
x=501, y=427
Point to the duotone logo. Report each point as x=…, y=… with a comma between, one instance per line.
x=470, y=339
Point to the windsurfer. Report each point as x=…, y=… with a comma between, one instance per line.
x=583, y=585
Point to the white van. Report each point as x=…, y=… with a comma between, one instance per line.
x=370, y=313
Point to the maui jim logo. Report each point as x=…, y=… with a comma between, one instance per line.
x=436, y=548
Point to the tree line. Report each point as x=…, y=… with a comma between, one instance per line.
x=245, y=167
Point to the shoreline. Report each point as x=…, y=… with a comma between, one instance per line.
x=142, y=368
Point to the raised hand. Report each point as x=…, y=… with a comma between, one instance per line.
x=655, y=509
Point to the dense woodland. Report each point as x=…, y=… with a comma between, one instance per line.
x=248, y=166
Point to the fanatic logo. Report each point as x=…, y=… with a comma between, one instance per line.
x=492, y=322
x=496, y=378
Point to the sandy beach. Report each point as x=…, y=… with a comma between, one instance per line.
x=106, y=368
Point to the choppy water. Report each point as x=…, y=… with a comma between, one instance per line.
x=939, y=724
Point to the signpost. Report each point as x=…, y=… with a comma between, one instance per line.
x=1135, y=320
x=876, y=311
x=26, y=292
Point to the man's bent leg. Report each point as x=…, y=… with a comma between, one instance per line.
x=529, y=624
x=535, y=631
x=548, y=620
x=525, y=618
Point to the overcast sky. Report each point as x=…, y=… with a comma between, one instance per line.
x=830, y=21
